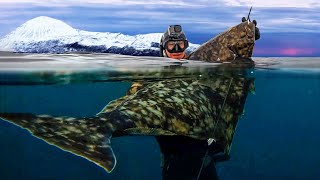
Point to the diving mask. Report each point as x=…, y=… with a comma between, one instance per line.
x=175, y=46
x=174, y=40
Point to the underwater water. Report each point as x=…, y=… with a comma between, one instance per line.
x=277, y=137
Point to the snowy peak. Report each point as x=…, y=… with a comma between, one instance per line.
x=45, y=35
x=42, y=28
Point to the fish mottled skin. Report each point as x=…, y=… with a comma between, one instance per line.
x=236, y=42
x=185, y=107
x=197, y=108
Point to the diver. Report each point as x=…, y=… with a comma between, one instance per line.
x=186, y=158
x=174, y=43
x=183, y=157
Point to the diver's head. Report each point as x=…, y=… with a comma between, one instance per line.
x=174, y=43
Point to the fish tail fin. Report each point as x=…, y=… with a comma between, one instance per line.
x=85, y=137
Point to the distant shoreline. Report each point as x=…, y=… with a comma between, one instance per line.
x=10, y=54
x=5, y=53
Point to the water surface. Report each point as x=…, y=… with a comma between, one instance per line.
x=276, y=138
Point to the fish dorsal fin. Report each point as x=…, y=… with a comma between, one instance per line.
x=83, y=137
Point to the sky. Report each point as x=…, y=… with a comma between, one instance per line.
x=288, y=28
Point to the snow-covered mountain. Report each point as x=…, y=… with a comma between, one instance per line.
x=47, y=35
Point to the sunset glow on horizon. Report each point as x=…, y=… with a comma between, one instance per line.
x=287, y=51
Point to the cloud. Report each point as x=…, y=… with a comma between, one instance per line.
x=64, y=3
x=175, y=3
x=274, y=3
x=143, y=16
x=201, y=18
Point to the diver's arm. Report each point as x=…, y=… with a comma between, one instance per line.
x=257, y=33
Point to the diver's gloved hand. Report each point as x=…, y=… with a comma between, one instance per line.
x=257, y=31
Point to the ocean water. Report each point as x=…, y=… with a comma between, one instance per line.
x=277, y=137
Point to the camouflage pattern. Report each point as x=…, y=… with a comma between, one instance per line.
x=198, y=108
x=85, y=137
x=234, y=43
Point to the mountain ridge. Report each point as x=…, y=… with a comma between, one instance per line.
x=48, y=35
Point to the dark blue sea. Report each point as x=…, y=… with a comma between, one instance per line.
x=277, y=136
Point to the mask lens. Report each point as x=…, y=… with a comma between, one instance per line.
x=170, y=45
x=181, y=44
